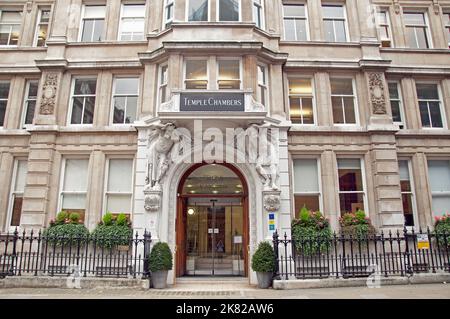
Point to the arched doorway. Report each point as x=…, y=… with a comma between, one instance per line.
x=212, y=222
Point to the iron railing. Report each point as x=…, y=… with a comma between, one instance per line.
x=31, y=253
x=402, y=253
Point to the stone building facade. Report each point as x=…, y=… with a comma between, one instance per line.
x=94, y=95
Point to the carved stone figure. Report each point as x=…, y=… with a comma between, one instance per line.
x=377, y=96
x=266, y=163
x=162, y=138
x=49, y=94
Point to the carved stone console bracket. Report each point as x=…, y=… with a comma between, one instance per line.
x=272, y=200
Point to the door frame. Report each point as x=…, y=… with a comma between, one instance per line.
x=181, y=218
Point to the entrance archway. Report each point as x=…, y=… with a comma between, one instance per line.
x=212, y=224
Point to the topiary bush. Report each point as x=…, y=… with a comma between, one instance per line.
x=442, y=230
x=112, y=232
x=357, y=225
x=264, y=258
x=66, y=230
x=311, y=232
x=160, y=258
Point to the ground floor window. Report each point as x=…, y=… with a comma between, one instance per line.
x=119, y=186
x=17, y=191
x=439, y=179
x=351, y=186
x=407, y=192
x=306, y=185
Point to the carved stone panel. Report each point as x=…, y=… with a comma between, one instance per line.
x=377, y=94
x=49, y=88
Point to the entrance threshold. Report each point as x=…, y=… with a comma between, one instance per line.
x=212, y=283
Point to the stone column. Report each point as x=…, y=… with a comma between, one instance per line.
x=6, y=169
x=398, y=31
x=13, y=114
x=103, y=107
x=112, y=19
x=48, y=97
x=423, y=197
x=246, y=11
x=324, y=110
x=446, y=99
x=437, y=32
x=330, y=185
x=410, y=107
x=315, y=25
x=95, y=196
x=276, y=98
x=272, y=16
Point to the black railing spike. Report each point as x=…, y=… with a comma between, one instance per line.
x=390, y=233
x=420, y=229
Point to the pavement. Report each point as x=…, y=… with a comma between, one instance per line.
x=233, y=291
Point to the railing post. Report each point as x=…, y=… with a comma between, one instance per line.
x=14, y=251
x=276, y=274
x=147, y=244
x=407, y=255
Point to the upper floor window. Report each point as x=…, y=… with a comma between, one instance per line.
x=42, y=28
x=439, y=179
x=125, y=98
x=10, y=27
x=351, y=185
x=74, y=185
x=30, y=102
x=416, y=30
x=229, y=10
x=396, y=103
x=119, y=189
x=261, y=95
x=132, y=22
x=384, y=28
x=83, y=101
x=4, y=93
x=429, y=105
x=306, y=185
x=447, y=25
x=17, y=191
x=301, y=101
x=295, y=22
x=229, y=74
x=258, y=13
x=92, y=23
x=334, y=20
x=343, y=101
x=198, y=10
x=196, y=74
x=163, y=78
x=169, y=6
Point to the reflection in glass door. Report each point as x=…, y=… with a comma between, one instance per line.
x=214, y=243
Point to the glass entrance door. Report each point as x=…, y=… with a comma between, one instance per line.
x=214, y=236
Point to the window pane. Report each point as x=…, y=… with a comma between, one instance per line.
x=307, y=111
x=294, y=11
x=228, y=10
x=134, y=10
x=85, y=86
x=4, y=34
x=94, y=11
x=414, y=18
x=120, y=175
x=411, y=38
x=408, y=209
x=329, y=31
x=118, y=203
x=88, y=116
x=340, y=31
x=98, y=30
x=435, y=113
x=422, y=38
x=88, y=27
x=300, y=86
x=350, y=177
x=198, y=10
x=21, y=175
x=42, y=35
x=382, y=17
x=228, y=69
x=261, y=75
x=77, y=110
x=309, y=201
x=295, y=110
x=333, y=11
x=127, y=86
x=341, y=86
x=427, y=91
x=403, y=170
x=45, y=16
x=441, y=205
x=73, y=201
x=75, y=176
x=119, y=110
x=338, y=115
x=351, y=202
x=131, y=109
x=349, y=109
x=301, y=30
x=29, y=115
x=16, y=210
x=4, y=90
x=306, y=176
x=424, y=115
x=439, y=175
x=396, y=115
x=196, y=69
x=289, y=29
x=32, y=89
x=2, y=112
x=11, y=16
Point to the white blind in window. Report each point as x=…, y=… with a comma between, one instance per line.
x=120, y=175
x=439, y=174
x=306, y=176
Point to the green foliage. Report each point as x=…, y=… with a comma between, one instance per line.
x=442, y=230
x=66, y=234
x=107, y=219
x=160, y=258
x=356, y=224
x=264, y=258
x=74, y=218
x=61, y=217
x=311, y=232
x=122, y=220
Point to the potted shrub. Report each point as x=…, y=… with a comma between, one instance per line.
x=113, y=232
x=160, y=262
x=357, y=225
x=442, y=231
x=311, y=232
x=66, y=229
x=263, y=262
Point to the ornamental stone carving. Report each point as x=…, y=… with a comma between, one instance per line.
x=377, y=96
x=152, y=200
x=272, y=202
x=49, y=94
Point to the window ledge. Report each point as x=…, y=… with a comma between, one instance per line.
x=408, y=50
